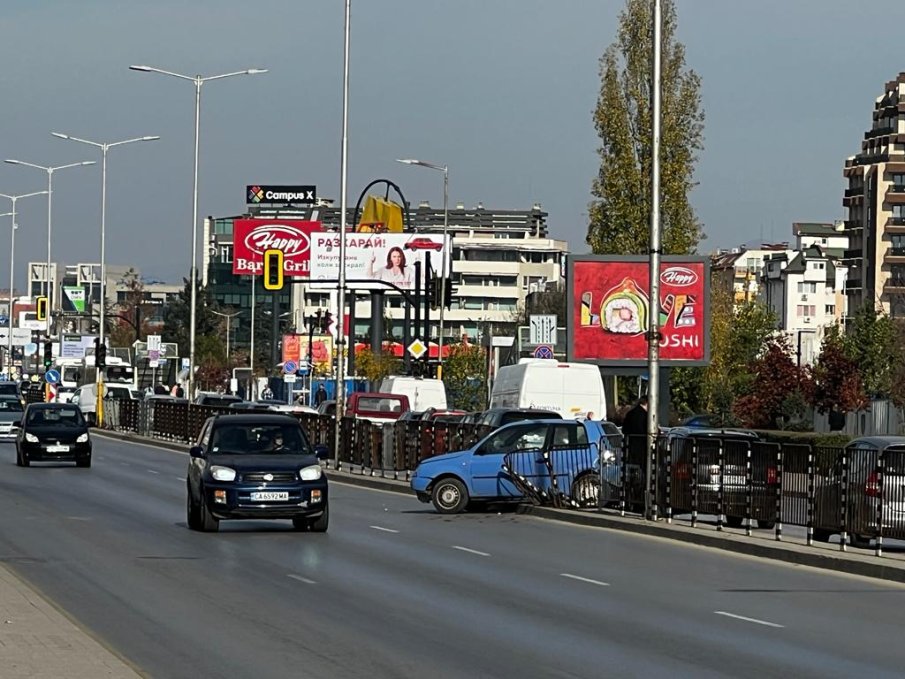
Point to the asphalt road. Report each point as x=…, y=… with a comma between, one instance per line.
x=395, y=590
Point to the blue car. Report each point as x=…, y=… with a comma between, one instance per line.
x=539, y=458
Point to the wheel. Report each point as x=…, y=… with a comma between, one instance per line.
x=449, y=496
x=22, y=459
x=764, y=523
x=192, y=519
x=585, y=491
x=208, y=522
x=821, y=535
x=320, y=524
x=91, y=418
x=84, y=462
x=734, y=521
x=19, y=457
x=859, y=541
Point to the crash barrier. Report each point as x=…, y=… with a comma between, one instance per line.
x=856, y=493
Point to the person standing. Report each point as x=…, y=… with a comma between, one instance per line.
x=634, y=429
x=320, y=395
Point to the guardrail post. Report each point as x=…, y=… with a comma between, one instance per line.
x=779, y=517
x=749, y=494
x=881, y=473
x=694, y=483
x=719, y=489
x=844, y=502
x=810, y=533
x=668, y=483
x=623, y=473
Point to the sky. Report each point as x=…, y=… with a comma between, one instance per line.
x=501, y=91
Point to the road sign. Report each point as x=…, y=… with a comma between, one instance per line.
x=290, y=367
x=52, y=376
x=417, y=348
x=4, y=320
x=543, y=328
x=153, y=362
x=543, y=351
x=289, y=378
x=154, y=345
x=153, y=342
x=21, y=336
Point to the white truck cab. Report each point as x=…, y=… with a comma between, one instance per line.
x=422, y=392
x=571, y=389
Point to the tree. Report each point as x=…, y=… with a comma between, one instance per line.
x=619, y=217
x=464, y=373
x=837, y=378
x=120, y=318
x=897, y=391
x=780, y=389
x=177, y=321
x=374, y=367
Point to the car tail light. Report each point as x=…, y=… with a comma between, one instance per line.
x=682, y=472
x=772, y=477
x=872, y=487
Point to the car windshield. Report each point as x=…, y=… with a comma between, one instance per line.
x=55, y=417
x=524, y=415
x=258, y=439
x=10, y=405
x=220, y=401
x=9, y=389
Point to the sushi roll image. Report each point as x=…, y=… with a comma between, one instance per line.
x=624, y=309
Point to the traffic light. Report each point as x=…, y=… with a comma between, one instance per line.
x=433, y=292
x=48, y=353
x=273, y=269
x=41, y=308
x=327, y=322
x=100, y=354
x=448, y=293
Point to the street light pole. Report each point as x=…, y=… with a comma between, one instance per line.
x=12, y=263
x=443, y=274
x=229, y=318
x=193, y=270
x=49, y=170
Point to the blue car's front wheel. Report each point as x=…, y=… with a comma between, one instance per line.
x=449, y=496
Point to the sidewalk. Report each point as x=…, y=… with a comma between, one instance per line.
x=37, y=640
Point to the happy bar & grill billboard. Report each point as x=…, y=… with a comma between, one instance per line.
x=252, y=237
x=609, y=310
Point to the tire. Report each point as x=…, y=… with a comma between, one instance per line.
x=766, y=524
x=83, y=462
x=734, y=521
x=321, y=523
x=449, y=496
x=19, y=457
x=821, y=535
x=192, y=518
x=23, y=460
x=91, y=418
x=208, y=522
x=585, y=491
x=859, y=541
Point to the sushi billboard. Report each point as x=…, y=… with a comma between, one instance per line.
x=609, y=310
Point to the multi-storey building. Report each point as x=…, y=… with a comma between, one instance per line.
x=740, y=269
x=498, y=258
x=875, y=203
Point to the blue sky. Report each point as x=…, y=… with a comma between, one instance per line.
x=500, y=90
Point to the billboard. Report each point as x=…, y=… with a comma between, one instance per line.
x=371, y=258
x=295, y=348
x=252, y=237
x=609, y=310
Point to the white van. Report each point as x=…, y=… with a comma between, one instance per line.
x=85, y=397
x=422, y=392
x=571, y=389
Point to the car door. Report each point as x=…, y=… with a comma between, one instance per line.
x=568, y=454
x=522, y=443
x=197, y=464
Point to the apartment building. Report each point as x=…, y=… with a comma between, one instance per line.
x=875, y=207
x=739, y=270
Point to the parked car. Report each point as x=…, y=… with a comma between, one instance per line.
x=497, y=417
x=214, y=398
x=498, y=467
x=327, y=407
x=53, y=432
x=10, y=416
x=411, y=416
x=256, y=466
x=376, y=406
x=251, y=406
x=85, y=397
x=10, y=388
x=867, y=491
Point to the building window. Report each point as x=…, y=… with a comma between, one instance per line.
x=806, y=310
x=807, y=288
x=898, y=181
x=830, y=309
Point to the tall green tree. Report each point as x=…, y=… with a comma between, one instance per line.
x=177, y=321
x=837, y=378
x=619, y=216
x=464, y=373
x=871, y=343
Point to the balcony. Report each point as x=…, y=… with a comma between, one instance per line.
x=852, y=285
x=894, y=256
x=895, y=286
x=854, y=191
x=852, y=254
x=895, y=194
x=895, y=225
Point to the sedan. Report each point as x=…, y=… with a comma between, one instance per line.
x=10, y=415
x=256, y=466
x=53, y=432
x=534, y=459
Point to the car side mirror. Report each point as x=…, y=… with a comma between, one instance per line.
x=322, y=452
x=196, y=451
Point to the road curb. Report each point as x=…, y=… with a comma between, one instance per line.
x=798, y=554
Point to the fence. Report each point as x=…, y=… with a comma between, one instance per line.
x=880, y=418
x=857, y=493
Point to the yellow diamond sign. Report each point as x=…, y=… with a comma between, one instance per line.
x=417, y=348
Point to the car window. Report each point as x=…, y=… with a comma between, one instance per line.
x=55, y=417
x=526, y=415
x=569, y=435
x=10, y=405
x=252, y=439
x=512, y=439
x=205, y=438
x=219, y=401
x=9, y=389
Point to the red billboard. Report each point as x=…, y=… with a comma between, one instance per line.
x=610, y=310
x=253, y=237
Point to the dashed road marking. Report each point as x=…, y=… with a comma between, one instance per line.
x=754, y=620
x=470, y=551
x=385, y=530
x=151, y=471
x=301, y=579
x=588, y=580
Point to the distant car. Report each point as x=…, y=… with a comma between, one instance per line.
x=411, y=416
x=247, y=406
x=491, y=470
x=423, y=244
x=10, y=416
x=53, y=432
x=497, y=417
x=256, y=466
x=705, y=421
x=214, y=398
x=85, y=397
x=10, y=388
x=327, y=407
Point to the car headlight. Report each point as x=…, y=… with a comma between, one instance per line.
x=83, y=438
x=223, y=473
x=312, y=473
x=31, y=438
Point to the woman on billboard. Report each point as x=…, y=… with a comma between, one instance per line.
x=395, y=271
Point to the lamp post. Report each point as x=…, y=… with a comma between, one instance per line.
x=229, y=318
x=198, y=81
x=445, y=170
x=12, y=264
x=49, y=170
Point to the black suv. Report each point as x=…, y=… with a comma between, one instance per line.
x=259, y=466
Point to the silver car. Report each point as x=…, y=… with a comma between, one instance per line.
x=10, y=415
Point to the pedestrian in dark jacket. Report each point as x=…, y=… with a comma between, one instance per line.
x=634, y=428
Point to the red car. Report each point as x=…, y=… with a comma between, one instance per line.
x=423, y=244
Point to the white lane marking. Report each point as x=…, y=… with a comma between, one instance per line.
x=385, y=530
x=470, y=551
x=181, y=479
x=588, y=580
x=151, y=471
x=301, y=579
x=754, y=620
